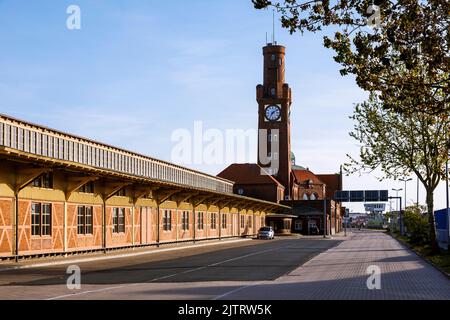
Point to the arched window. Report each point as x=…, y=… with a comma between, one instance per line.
x=313, y=196
x=305, y=196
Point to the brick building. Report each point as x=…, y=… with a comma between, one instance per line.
x=61, y=193
x=276, y=177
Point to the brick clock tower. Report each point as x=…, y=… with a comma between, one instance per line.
x=274, y=103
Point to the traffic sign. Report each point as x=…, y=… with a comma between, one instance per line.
x=361, y=195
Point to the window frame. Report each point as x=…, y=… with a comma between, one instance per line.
x=213, y=221
x=200, y=220
x=224, y=221
x=185, y=220
x=44, y=181
x=88, y=187
x=119, y=220
x=44, y=218
x=167, y=220
x=84, y=227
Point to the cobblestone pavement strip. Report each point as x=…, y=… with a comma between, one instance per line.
x=341, y=273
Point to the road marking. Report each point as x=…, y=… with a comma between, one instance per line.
x=216, y=263
x=163, y=277
x=124, y=255
x=91, y=291
x=234, y=291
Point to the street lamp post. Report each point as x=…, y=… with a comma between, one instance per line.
x=417, y=192
x=325, y=217
x=396, y=195
x=447, y=200
x=405, y=180
x=399, y=211
x=391, y=217
x=446, y=193
x=400, y=214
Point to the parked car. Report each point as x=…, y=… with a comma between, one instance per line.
x=266, y=233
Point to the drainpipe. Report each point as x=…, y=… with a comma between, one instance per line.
x=206, y=226
x=158, y=224
x=16, y=226
x=233, y=229
x=16, y=223
x=132, y=225
x=176, y=224
x=239, y=223
x=254, y=224
x=104, y=225
x=193, y=220
x=141, y=227
x=220, y=225
x=65, y=228
x=324, y=217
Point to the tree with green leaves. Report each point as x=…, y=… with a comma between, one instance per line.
x=398, y=49
x=401, y=144
x=416, y=224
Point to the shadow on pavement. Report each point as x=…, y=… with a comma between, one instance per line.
x=233, y=264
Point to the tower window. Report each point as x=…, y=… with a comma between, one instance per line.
x=273, y=57
x=272, y=91
x=272, y=137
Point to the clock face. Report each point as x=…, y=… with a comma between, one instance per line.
x=273, y=112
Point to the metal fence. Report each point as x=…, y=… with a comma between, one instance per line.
x=44, y=142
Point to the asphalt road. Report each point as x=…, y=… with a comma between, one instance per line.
x=233, y=263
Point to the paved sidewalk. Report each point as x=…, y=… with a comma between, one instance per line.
x=337, y=273
x=340, y=273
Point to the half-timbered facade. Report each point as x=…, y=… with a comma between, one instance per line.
x=60, y=193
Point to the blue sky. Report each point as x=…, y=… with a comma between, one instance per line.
x=138, y=70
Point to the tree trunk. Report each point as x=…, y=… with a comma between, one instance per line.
x=432, y=226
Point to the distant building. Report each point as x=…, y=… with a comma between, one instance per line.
x=375, y=207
